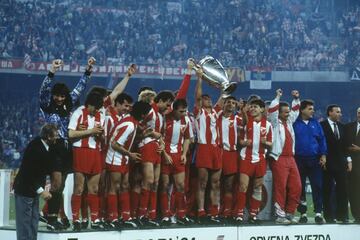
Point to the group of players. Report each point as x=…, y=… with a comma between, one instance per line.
x=152, y=161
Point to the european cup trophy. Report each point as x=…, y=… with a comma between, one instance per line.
x=215, y=74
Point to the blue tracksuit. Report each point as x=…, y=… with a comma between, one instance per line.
x=310, y=144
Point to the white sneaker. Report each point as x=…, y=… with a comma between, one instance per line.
x=282, y=220
x=291, y=218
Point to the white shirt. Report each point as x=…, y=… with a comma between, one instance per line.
x=331, y=123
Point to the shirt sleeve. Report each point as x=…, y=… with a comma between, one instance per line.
x=184, y=87
x=79, y=88
x=45, y=91
x=322, y=140
x=73, y=124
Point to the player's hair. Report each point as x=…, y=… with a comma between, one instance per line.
x=146, y=95
x=65, y=109
x=123, y=97
x=258, y=102
x=144, y=89
x=100, y=90
x=164, y=96
x=94, y=99
x=181, y=102
x=253, y=97
x=139, y=109
x=229, y=98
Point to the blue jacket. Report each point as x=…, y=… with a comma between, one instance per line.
x=309, y=138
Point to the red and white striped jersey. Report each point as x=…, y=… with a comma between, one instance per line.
x=124, y=135
x=228, y=127
x=254, y=131
x=206, y=126
x=175, y=132
x=111, y=121
x=81, y=116
x=153, y=120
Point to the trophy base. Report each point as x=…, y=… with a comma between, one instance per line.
x=229, y=88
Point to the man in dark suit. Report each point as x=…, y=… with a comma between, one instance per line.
x=30, y=181
x=353, y=144
x=336, y=167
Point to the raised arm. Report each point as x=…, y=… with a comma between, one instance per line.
x=198, y=89
x=273, y=111
x=45, y=89
x=119, y=88
x=184, y=87
x=81, y=85
x=295, y=106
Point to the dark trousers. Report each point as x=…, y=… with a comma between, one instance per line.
x=310, y=167
x=354, y=192
x=27, y=217
x=335, y=194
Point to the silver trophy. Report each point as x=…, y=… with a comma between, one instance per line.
x=215, y=75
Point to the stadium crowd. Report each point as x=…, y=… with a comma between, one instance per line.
x=283, y=35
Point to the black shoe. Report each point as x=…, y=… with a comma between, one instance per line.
x=152, y=223
x=319, y=220
x=166, y=221
x=239, y=220
x=131, y=223
x=138, y=222
x=303, y=219
x=66, y=223
x=77, y=226
x=254, y=220
x=114, y=225
x=43, y=219
x=54, y=225
x=184, y=221
x=84, y=224
x=215, y=220
x=97, y=225
x=142, y=221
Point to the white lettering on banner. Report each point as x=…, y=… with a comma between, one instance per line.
x=6, y=64
x=150, y=69
x=295, y=237
x=41, y=67
x=176, y=71
x=142, y=69
x=66, y=68
x=102, y=69
x=82, y=68
x=111, y=69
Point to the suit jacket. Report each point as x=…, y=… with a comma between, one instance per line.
x=352, y=138
x=35, y=165
x=337, y=148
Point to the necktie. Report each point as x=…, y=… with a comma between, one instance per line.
x=336, y=131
